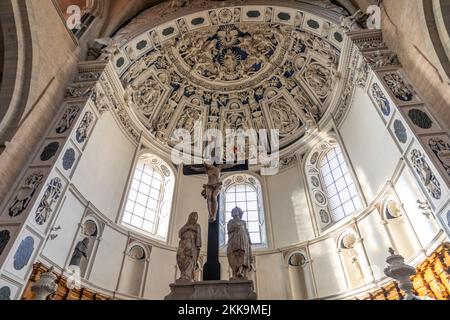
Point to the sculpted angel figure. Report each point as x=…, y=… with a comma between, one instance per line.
x=189, y=248
x=239, y=250
x=214, y=105
x=212, y=189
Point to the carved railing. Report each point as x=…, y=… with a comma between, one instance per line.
x=431, y=280
x=62, y=292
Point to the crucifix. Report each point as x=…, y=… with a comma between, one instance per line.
x=211, y=192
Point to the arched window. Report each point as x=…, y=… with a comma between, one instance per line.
x=341, y=191
x=333, y=191
x=243, y=191
x=150, y=197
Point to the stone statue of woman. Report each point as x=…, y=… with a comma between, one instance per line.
x=189, y=248
x=239, y=250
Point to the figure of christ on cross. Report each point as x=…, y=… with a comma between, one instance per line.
x=212, y=189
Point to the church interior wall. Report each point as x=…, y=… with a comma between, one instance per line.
x=301, y=282
x=104, y=186
x=272, y=283
x=186, y=201
x=400, y=230
x=70, y=215
x=426, y=227
x=290, y=216
x=131, y=277
x=101, y=190
x=161, y=273
x=328, y=272
x=327, y=275
x=108, y=259
x=371, y=228
x=370, y=147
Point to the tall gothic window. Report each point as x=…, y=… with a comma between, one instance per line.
x=150, y=197
x=243, y=191
x=333, y=191
x=339, y=186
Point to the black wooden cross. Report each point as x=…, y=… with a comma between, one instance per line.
x=211, y=269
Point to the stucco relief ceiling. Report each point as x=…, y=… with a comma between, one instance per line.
x=260, y=67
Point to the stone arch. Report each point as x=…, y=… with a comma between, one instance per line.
x=436, y=19
x=92, y=229
x=352, y=257
x=299, y=274
x=138, y=251
x=134, y=269
x=398, y=226
x=16, y=50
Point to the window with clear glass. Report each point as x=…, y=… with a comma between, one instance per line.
x=150, y=197
x=343, y=198
x=244, y=191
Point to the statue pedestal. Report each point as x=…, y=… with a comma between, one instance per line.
x=213, y=290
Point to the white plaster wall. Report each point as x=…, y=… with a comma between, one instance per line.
x=187, y=200
x=131, y=276
x=376, y=242
x=370, y=147
x=328, y=272
x=103, y=184
x=69, y=217
x=404, y=237
x=291, y=220
x=272, y=277
x=425, y=227
x=286, y=209
x=300, y=283
x=108, y=260
x=161, y=273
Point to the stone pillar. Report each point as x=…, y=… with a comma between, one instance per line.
x=420, y=137
x=28, y=212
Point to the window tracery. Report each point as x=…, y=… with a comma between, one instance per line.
x=149, y=198
x=243, y=191
x=332, y=188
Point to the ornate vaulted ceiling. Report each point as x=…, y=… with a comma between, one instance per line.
x=261, y=67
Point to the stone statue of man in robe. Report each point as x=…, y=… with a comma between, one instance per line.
x=80, y=251
x=239, y=250
x=189, y=248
